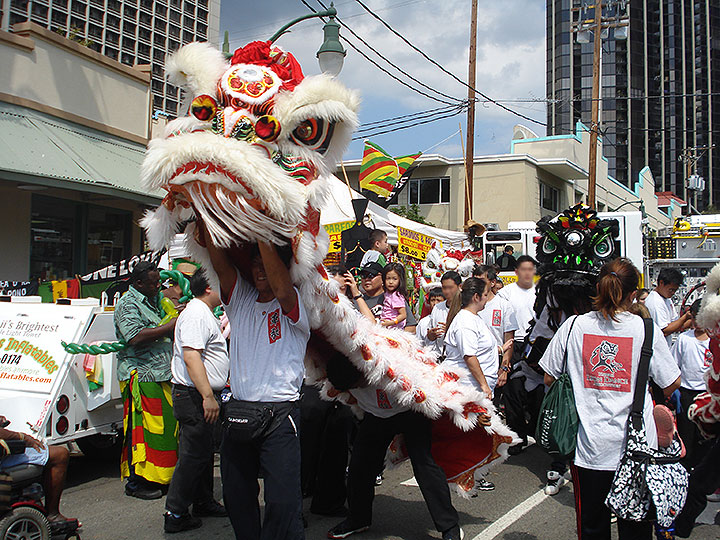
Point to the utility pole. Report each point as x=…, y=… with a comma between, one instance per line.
x=615, y=24
x=470, y=147
x=693, y=182
x=594, y=124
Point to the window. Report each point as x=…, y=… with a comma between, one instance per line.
x=549, y=198
x=429, y=190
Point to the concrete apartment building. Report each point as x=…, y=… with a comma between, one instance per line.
x=73, y=129
x=539, y=176
x=133, y=32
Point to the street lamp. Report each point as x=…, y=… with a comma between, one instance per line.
x=331, y=53
x=641, y=207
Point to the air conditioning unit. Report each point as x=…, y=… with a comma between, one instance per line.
x=696, y=183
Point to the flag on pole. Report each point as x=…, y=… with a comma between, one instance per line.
x=381, y=176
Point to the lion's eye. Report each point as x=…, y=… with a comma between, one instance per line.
x=314, y=133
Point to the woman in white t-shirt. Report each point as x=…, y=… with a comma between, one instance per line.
x=603, y=356
x=469, y=343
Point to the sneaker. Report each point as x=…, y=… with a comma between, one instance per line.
x=143, y=493
x=379, y=480
x=345, y=529
x=481, y=484
x=456, y=533
x=714, y=497
x=555, y=481
x=186, y=522
x=209, y=509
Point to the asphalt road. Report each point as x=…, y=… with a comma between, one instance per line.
x=516, y=510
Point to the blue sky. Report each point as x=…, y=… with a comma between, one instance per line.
x=511, y=61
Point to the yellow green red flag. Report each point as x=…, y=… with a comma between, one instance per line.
x=382, y=174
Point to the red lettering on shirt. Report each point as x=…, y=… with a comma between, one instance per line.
x=496, y=317
x=607, y=362
x=274, y=331
x=382, y=400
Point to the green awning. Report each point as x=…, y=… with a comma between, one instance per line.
x=42, y=149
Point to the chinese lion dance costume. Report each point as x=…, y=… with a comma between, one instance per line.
x=252, y=160
x=572, y=249
x=705, y=411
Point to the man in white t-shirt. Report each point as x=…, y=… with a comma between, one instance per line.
x=200, y=366
x=270, y=331
x=524, y=391
x=385, y=418
x=660, y=305
x=450, y=283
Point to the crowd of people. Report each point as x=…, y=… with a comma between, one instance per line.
x=189, y=392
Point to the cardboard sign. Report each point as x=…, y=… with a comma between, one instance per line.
x=415, y=244
x=334, y=231
x=30, y=352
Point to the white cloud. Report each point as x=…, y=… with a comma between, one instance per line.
x=511, y=58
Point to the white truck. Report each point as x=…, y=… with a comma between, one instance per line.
x=45, y=390
x=523, y=237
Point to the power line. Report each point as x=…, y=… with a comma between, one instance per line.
x=419, y=113
x=459, y=110
x=478, y=92
x=373, y=62
x=406, y=121
x=373, y=49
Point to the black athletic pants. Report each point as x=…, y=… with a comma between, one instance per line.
x=704, y=480
x=519, y=404
x=278, y=456
x=373, y=438
x=325, y=429
x=593, y=517
x=695, y=444
x=192, y=480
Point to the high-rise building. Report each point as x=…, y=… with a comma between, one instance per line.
x=660, y=89
x=130, y=31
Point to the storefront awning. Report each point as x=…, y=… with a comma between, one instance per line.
x=36, y=148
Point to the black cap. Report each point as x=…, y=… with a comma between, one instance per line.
x=372, y=268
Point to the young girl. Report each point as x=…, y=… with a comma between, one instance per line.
x=394, y=312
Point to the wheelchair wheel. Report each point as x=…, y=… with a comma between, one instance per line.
x=25, y=523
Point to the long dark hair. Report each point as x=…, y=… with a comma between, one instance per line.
x=399, y=269
x=617, y=281
x=469, y=288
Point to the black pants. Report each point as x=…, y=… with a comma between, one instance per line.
x=277, y=455
x=325, y=429
x=593, y=517
x=521, y=405
x=695, y=444
x=704, y=480
x=373, y=438
x=192, y=481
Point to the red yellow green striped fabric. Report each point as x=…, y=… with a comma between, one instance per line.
x=152, y=445
x=380, y=172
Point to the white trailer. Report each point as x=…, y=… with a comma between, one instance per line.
x=43, y=389
x=523, y=237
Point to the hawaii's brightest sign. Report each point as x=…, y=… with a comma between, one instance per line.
x=30, y=350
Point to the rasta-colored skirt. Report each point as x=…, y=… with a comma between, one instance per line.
x=150, y=430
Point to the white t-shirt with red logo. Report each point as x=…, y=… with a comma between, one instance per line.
x=693, y=357
x=499, y=316
x=267, y=346
x=377, y=402
x=603, y=357
x=469, y=336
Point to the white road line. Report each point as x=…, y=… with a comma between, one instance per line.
x=410, y=482
x=512, y=516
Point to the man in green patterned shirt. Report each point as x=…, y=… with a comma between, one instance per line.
x=143, y=369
